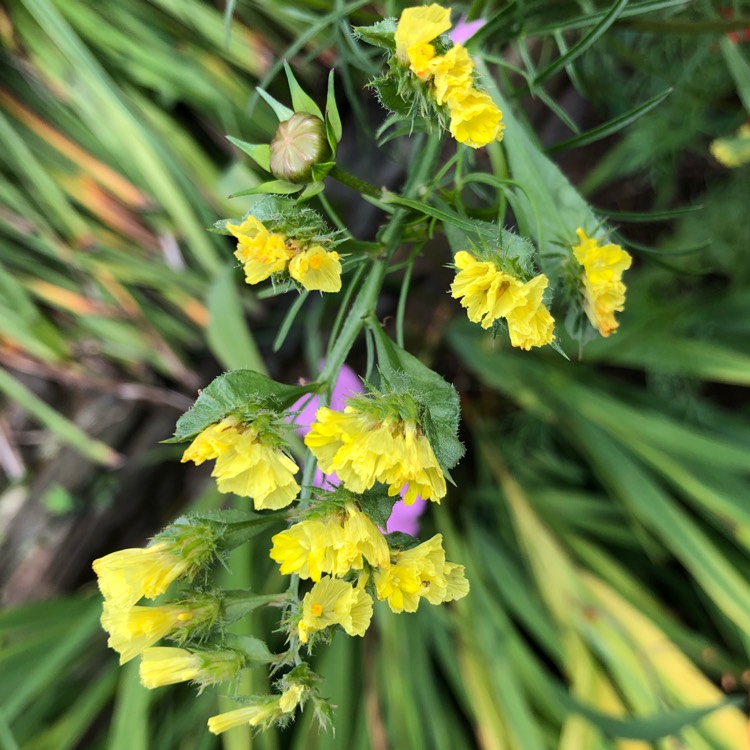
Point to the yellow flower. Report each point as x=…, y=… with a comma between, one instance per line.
x=488, y=293
x=317, y=269
x=130, y=574
x=133, y=630
x=530, y=324
x=261, y=252
x=733, y=151
x=475, y=118
x=603, y=289
x=332, y=601
x=166, y=666
x=420, y=572
x=452, y=75
x=363, y=448
x=264, y=713
x=246, y=463
x=307, y=548
x=418, y=26
x=291, y=697
x=422, y=59
x=337, y=544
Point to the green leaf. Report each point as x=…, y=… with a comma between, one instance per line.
x=321, y=170
x=333, y=119
x=377, y=505
x=282, y=112
x=581, y=46
x=740, y=70
x=648, y=728
x=235, y=392
x=256, y=650
x=236, y=604
x=227, y=333
x=259, y=152
x=380, y=34
x=611, y=126
x=129, y=728
x=312, y=189
x=300, y=99
x=274, y=187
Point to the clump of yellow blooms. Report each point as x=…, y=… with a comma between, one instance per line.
x=338, y=543
x=475, y=119
x=249, y=462
x=603, y=289
x=420, y=573
x=370, y=441
x=264, y=253
x=488, y=294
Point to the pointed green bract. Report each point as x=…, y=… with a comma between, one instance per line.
x=301, y=101
x=234, y=393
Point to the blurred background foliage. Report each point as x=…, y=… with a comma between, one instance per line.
x=602, y=512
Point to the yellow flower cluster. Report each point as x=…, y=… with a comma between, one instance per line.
x=488, y=294
x=346, y=540
x=603, y=289
x=263, y=253
x=420, y=573
x=128, y=575
x=363, y=448
x=335, y=544
x=247, y=463
x=475, y=119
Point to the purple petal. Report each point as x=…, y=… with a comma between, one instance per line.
x=464, y=30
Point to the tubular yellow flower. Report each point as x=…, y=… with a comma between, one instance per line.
x=337, y=544
x=603, y=289
x=418, y=26
x=128, y=575
x=246, y=464
x=363, y=448
x=732, y=151
x=412, y=574
x=530, y=324
x=291, y=697
x=332, y=601
x=420, y=572
x=264, y=714
x=261, y=252
x=317, y=269
x=475, y=118
x=308, y=548
x=488, y=293
x=452, y=75
x=133, y=630
x=166, y=666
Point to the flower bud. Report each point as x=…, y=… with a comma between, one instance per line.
x=299, y=143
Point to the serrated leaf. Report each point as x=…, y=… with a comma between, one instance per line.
x=378, y=505
x=380, y=34
x=301, y=101
x=235, y=392
x=260, y=153
x=334, y=129
x=282, y=112
x=388, y=95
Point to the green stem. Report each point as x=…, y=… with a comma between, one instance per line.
x=361, y=186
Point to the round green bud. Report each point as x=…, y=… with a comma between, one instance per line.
x=299, y=143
